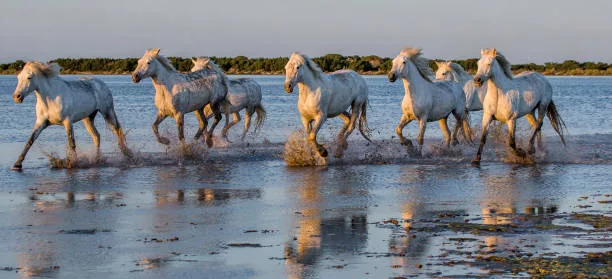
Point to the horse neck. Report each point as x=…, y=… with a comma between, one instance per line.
x=498, y=78
x=45, y=87
x=165, y=77
x=412, y=81
x=309, y=83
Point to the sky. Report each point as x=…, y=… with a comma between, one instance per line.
x=525, y=31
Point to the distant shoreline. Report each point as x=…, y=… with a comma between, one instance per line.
x=241, y=65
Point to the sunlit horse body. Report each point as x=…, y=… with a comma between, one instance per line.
x=322, y=96
x=474, y=95
x=177, y=94
x=509, y=98
x=61, y=102
x=242, y=94
x=426, y=100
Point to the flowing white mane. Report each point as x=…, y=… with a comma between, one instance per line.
x=501, y=59
x=49, y=70
x=314, y=68
x=421, y=63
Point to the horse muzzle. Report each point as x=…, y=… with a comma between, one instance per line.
x=478, y=81
x=392, y=77
x=136, y=78
x=288, y=87
x=18, y=98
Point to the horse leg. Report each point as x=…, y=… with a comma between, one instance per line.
x=446, y=132
x=159, y=120
x=463, y=124
x=422, y=126
x=180, y=119
x=307, y=123
x=403, y=122
x=93, y=132
x=534, y=123
x=228, y=125
x=111, y=119
x=71, y=144
x=341, y=138
x=537, y=131
x=312, y=136
x=511, y=138
x=247, y=123
x=202, y=122
x=38, y=127
x=217, y=112
x=486, y=120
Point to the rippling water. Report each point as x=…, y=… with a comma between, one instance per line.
x=167, y=220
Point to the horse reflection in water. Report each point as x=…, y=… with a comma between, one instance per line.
x=502, y=203
x=322, y=230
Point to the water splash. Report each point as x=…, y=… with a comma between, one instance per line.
x=299, y=152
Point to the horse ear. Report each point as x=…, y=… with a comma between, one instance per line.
x=193, y=60
x=438, y=63
x=482, y=51
x=494, y=52
x=155, y=51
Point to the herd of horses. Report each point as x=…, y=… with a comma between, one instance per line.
x=209, y=93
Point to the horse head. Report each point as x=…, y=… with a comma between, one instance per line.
x=487, y=59
x=294, y=70
x=444, y=72
x=29, y=78
x=410, y=59
x=200, y=63
x=147, y=65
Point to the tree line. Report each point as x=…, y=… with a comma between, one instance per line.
x=371, y=64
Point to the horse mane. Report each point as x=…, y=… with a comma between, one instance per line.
x=206, y=62
x=501, y=59
x=422, y=64
x=49, y=70
x=154, y=52
x=312, y=66
x=457, y=68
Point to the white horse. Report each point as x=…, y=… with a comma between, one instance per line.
x=61, y=102
x=474, y=95
x=509, y=98
x=426, y=100
x=243, y=93
x=327, y=95
x=177, y=94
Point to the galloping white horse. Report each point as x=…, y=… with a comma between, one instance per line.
x=327, y=95
x=243, y=93
x=474, y=95
x=61, y=102
x=426, y=100
x=177, y=94
x=509, y=98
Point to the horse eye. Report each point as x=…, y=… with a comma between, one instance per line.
x=404, y=62
x=30, y=77
x=148, y=63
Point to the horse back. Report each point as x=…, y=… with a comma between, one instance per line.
x=93, y=88
x=351, y=80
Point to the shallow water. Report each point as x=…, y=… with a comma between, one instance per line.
x=239, y=211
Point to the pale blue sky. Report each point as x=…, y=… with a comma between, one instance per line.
x=525, y=31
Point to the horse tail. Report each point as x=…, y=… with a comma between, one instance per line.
x=555, y=120
x=363, y=122
x=261, y=116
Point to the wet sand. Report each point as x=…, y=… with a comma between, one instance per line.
x=239, y=211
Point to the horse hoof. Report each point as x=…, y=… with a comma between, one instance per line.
x=476, y=163
x=520, y=152
x=16, y=167
x=209, y=142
